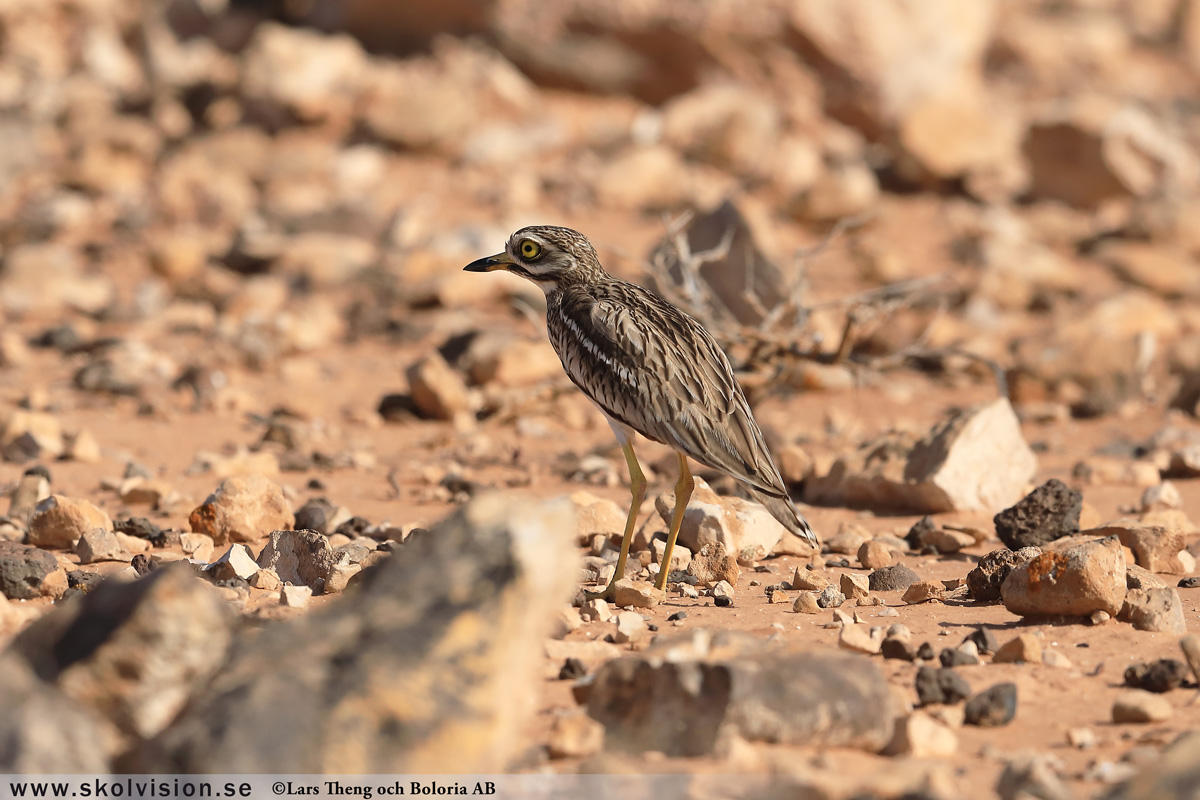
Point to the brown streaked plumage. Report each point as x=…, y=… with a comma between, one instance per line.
x=650, y=368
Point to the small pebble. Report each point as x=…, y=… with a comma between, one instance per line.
x=993, y=707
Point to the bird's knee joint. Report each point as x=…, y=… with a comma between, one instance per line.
x=684, y=487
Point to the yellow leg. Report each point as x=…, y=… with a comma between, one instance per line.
x=683, y=493
x=637, y=487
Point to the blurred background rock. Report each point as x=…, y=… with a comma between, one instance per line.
x=278, y=175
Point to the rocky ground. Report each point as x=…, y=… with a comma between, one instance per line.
x=290, y=492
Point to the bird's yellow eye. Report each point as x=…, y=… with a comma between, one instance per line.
x=530, y=249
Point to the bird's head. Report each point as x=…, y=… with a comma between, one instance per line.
x=549, y=256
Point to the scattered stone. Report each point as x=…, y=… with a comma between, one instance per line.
x=24, y=570
x=712, y=564
x=745, y=529
x=1032, y=775
x=637, y=594
x=295, y=596
x=1076, y=580
x=684, y=706
x=58, y=522
x=898, y=648
x=1081, y=738
x=965, y=655
x=944, y=686
x=197, y=546
x=438, y=391
x=575, y=735
x=1055, y=658
x=631, y=627
x=923, y=592
x=1154, y=548
x=572, y=669
x=896, y=578
x=595, y=611
x=1163, y=495
x=985, y=640
x=941, y=472
x=830, y=597
x=242, y=509
x=874, y=555
x=854, y=585
x=1158, y=676
x=1154, y=610
x=848, y=539
x=32, y=489
x=860, y=638
x=1190, y=645
x=806, y=603
x=265, y=579
x=302, y=558
x=985, y=580
x=1141, y=578
x=808, y=580
x=1049, y=512
x=1140, y=706
x=1099, y=618
x=100, y=544
x=236, y=562
x=993, y=707
x=925, y=652
x=921, y=736
x=1189, y=583
x=1026, y=648
x=943, y=541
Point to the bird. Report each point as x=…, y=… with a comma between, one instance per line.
x=651, y=369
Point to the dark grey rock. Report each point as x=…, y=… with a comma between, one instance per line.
x=925, y=652
x=140, y=527
x=1156, y=676
x=943, y=686
x=314, y=516
x=985, y=640
x=951, y=657
x=918, y=531
x=1049, y=512
x=895, y=578
x=830, y=597
x=993, y=707
x=985, y=580
x=22, y=570
x=899, y=649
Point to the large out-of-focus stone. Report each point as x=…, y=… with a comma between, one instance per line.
x=1177, y=766
x=457, y=618
x=1049, y=512
x=132, y=652
x=1091, y=151
x=313, y=75
x=1157, y=609
x=1077, y=580
x=43, y=730
x=59, y=521
x=886, y=56
x=242, y=509
x=23, y=570
x=974, y=460
x=683, y=706
x=301, y=558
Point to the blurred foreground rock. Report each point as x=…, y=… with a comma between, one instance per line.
x=688, y=695
x=455, y=618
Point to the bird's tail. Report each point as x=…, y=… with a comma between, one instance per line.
x=784, y=510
